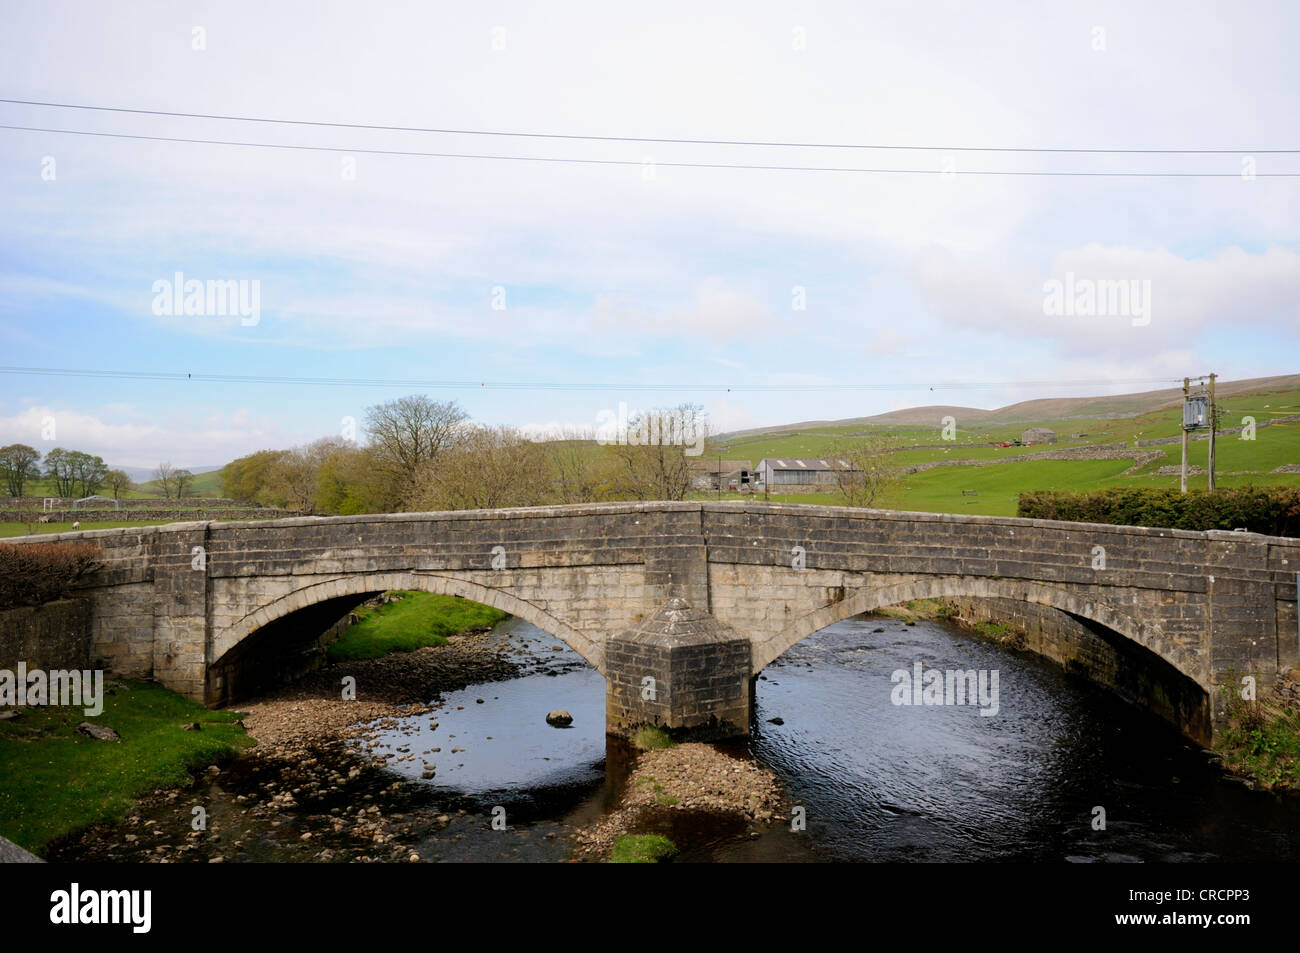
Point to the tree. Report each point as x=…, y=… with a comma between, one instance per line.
x=580, y=471
x=118, y=481
x=165, y=474
x=655, y=453
x=19, y=464
x=88, y=471
x=294, y=478
x=860, y=468
x=410, y=431
x=247, y=478
x=489, y=467
x=183, y=481
x=348, y=482
x=61, y=468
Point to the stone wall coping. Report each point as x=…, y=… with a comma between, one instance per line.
x=575, y=510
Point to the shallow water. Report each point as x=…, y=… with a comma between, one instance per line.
x=878, y=781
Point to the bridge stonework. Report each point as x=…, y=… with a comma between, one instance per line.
x=174, y=602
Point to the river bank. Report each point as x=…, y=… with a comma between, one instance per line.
x=411, y=770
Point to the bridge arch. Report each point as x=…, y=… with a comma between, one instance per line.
x=356, y=584
x=937, y=587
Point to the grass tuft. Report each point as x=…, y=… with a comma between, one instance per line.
x=642, y=849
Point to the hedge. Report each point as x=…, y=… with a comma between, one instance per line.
x=1272, y=510
x=42, y=572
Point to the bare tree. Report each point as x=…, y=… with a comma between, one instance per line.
x=183, y=480
x=165, y=474
x=295, y=475
x=860, y=468
x=408, y=432
x=579, y=468
x=655, y=453
x=489, y=467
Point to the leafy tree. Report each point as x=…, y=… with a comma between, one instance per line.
x=348, y=482
x=88, y=471
x=118, y=481
x=61, y=469
x=247, y=479
x=19, y=464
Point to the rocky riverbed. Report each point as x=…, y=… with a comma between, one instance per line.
x=686, y=778
x=378, y=779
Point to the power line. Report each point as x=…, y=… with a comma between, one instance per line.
x=653, y=139
x=635, y=162
x=555, y=385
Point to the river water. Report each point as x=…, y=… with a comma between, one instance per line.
x=879, y=781
x=486, y=778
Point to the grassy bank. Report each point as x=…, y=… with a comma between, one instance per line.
x=54, y=780
x=417, y=620
x=1261, y=742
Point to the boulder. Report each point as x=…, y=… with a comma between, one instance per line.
x=559, y=718
x=98, y=732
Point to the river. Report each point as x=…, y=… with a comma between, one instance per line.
x=878, y=781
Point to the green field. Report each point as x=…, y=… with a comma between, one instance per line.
x=419, y=619
x=54, y=780
x=33, y=529
x=996, y=487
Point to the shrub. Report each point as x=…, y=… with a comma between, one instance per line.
x=31, y=575
x=1271, y=510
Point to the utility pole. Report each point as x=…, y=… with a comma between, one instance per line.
x=1214, y=425
x=720, y=476
x=1182, y=481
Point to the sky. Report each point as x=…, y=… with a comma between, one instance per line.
x=602, y=281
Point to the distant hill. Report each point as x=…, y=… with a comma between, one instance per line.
x=1033, y=411
x=145, y=474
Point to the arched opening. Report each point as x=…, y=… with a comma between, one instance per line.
x=1005, y=768
x=1085, y=637
x=280, y=651
x=288, y=635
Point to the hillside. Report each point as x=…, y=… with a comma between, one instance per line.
x=1051, y=409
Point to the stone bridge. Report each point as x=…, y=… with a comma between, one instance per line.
x=680, y=605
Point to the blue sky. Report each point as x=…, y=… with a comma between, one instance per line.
x=611, y=279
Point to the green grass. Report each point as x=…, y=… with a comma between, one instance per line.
x=419, y=619
x=939, y=490
x=54, y=781
x=642, y=849
x=34, y=529
x=648, y=737
x=1261, y=741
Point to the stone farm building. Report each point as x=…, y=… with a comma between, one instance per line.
x=706, y=474
x=1038, y=435
x=790, y=471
